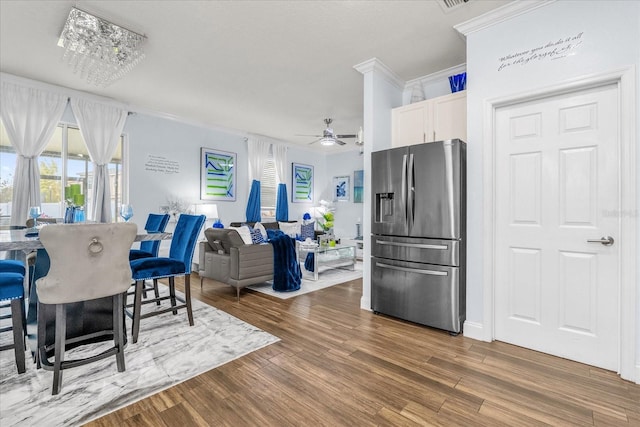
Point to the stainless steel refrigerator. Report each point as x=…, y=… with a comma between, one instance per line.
x=418, y=229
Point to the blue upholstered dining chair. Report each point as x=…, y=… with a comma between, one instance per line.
x=12, y=290
x=183, y=244
x=89, y=264
x=156, y=223
x=12, y=266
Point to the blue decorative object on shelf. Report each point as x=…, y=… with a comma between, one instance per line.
x=69, y=215
x=306, y=216
x=78, y=215
x=458, y=82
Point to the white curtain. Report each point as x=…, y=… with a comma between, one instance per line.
x=101, y=126
x=280, y=162
x=30, y=117
x=258, y=153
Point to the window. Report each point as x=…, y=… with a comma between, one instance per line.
x=268, y=189
x=64, y=161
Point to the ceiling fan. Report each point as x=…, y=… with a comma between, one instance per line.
x=328, y=137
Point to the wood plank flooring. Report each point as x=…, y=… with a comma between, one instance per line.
x=338, y=365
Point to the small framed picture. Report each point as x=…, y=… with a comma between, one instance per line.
x=358, y=186
x=341, y=188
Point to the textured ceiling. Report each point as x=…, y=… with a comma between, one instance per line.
x=273, y=68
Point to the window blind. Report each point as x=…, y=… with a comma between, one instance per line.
x=268, y=184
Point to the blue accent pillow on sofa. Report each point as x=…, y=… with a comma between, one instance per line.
x=256, y=236
x=306, y=231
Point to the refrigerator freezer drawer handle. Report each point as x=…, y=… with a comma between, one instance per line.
x=412, y=270
x=413, y=245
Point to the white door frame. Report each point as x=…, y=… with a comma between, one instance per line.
x=625, y=80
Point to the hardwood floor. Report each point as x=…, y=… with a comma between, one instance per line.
x=338, y=365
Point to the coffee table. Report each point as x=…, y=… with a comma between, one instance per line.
x=326, y=257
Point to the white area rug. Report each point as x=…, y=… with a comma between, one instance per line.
x=326, y=278
x=168, y=352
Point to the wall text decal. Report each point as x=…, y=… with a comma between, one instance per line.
x=555, y=49
x=161, y=164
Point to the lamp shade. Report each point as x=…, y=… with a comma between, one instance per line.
x=209, y=210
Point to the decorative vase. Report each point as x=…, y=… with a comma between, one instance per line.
x=458, y=82
x=78, y=215
x=69, y=215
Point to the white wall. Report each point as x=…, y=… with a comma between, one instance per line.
x=347, y=213
x=609, y=32
x=179, y=144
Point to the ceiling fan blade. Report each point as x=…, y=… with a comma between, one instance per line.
x=313, y=142
x=340, y=142
x=346, y=136
x=302, y=134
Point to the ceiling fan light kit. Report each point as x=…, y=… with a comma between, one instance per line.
x=328, y=138
x=327, y=141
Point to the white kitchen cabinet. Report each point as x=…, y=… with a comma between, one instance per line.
x=435, y=119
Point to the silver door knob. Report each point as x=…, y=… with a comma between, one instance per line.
x=607, y=241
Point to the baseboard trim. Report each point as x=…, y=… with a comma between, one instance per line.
x=474, y=330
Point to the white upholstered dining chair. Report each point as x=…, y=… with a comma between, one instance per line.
x=88, y=262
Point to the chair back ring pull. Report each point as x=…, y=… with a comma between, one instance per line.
x=95, y=247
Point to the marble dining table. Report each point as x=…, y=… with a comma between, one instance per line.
x=23, y=241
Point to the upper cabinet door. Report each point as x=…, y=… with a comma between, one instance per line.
x=435, y=119
x=450, y=117
x=408, y=124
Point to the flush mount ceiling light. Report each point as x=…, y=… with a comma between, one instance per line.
x=101, y=51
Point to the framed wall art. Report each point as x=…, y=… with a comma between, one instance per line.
x=217, y=175
x=341, y=188
x=301, y=183
x=358, y=186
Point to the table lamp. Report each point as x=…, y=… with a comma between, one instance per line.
x=209, y=210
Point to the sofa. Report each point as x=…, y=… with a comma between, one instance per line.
x=228, y=258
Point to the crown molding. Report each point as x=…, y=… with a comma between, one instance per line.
x=61, y=90
x=438, y=75
x=501, y=14
x=374, y=64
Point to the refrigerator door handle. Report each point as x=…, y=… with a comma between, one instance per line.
x=411, y=194
x=412, y=270
x=412, y=245
x=403, y=191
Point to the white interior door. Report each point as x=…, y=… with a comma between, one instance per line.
x=557, y=187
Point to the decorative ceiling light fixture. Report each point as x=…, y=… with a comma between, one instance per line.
x=101, y=51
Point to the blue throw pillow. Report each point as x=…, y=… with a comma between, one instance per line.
x=256, y=236
x=306, y=231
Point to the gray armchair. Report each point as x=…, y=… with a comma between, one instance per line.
x=226, y=258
